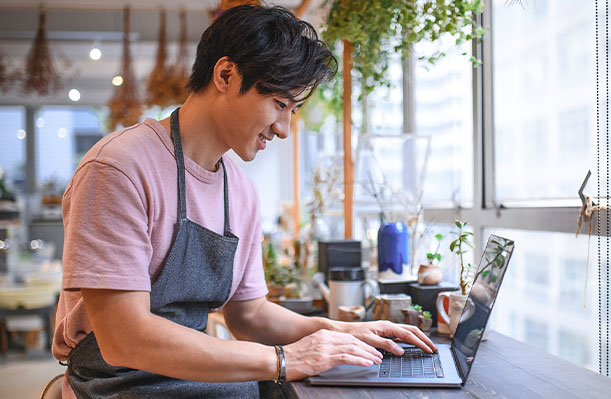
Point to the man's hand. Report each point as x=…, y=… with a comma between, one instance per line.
x=325, y=349
x=377, y=334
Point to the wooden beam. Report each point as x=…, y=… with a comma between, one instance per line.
x=296, y=179
x=299, y=11
x=348, y=164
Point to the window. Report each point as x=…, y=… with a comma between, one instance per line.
x=543, y=291
x=544, y=109
x=63, y=136
x=534, y=143
x=12, y=150
x=444, y=111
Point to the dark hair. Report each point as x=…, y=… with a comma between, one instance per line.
x=272, y=49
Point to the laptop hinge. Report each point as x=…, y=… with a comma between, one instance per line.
x=457, y=364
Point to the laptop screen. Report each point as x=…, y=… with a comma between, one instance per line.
x=478, y=306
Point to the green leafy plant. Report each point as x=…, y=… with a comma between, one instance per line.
x=376, y=28
x=434, y=257
x=275, y=273
x=495, y=261
x=416, y=307
x=459, y=246
x=426, y=314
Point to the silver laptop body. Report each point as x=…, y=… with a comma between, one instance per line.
x=450, y=367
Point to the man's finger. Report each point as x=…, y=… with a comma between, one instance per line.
x=345, y=358
x=387, y=344
x=407, y=334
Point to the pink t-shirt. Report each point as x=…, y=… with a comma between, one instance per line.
x=120, y=212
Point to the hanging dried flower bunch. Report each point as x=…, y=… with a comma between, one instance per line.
x=178, y=75
x=41, y=76
x=157, y=88
x=125, y=109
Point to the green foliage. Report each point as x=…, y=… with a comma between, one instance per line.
x=276, y=274
x=426, y=314
x=416, y=307
x=458, y=246
x=377, y=28
x=435, y=256
x=495, y=260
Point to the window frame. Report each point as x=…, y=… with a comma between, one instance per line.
x=486, y=212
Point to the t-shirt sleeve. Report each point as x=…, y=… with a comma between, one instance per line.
x=253, y=284
x=107, y=243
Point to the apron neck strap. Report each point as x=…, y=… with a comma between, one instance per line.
x=180, y=162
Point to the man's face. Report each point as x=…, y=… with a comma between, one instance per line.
x=252, y=120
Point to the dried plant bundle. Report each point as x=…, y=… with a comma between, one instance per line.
x=41, y=76
x=157, y=87
x=178, y=74
x=125, y=109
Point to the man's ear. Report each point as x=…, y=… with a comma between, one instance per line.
x=224, y=74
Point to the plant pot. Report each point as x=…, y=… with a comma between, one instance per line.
x=410, y=316
x=429, y=274
x=275, y=291
x=425, y=324
x=292, y=290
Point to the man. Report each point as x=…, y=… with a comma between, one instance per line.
x=161, y=228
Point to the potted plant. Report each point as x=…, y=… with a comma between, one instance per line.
x=425, y=321
x=459, y=246
x=411, y=314
x=430, y=274
x=278, y=276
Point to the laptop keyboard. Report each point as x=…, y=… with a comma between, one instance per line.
x=413, y=363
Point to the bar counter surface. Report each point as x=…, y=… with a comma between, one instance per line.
x=503, y=368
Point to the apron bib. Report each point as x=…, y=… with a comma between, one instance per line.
x=196, y=277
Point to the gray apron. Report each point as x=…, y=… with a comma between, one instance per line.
x=196, y=277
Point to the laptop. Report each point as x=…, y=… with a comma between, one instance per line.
x=450, y=366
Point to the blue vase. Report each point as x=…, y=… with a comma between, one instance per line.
x=393, y=247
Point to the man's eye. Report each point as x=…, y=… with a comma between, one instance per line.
x=280, y=104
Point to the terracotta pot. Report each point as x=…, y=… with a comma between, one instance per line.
x=410, y=316
x=425, y=324
x=429, y=275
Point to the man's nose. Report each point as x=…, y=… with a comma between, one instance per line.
x=282, y=126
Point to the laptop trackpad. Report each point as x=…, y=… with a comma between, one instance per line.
x=348, y=372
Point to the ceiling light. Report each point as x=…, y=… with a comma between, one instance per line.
x=40, y=122
x=95, y=54
x=117, y=80
x=74, y=95
x=62, y=133
x=21, y=134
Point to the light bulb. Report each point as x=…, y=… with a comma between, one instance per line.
x=74, y=95
x=117, y=80
x=21, y=134
x=95, y=54
x=62, y=133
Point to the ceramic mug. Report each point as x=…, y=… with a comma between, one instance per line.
x=457, y=304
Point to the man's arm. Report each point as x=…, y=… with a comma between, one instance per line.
x=262, y=321
x=130, y=335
